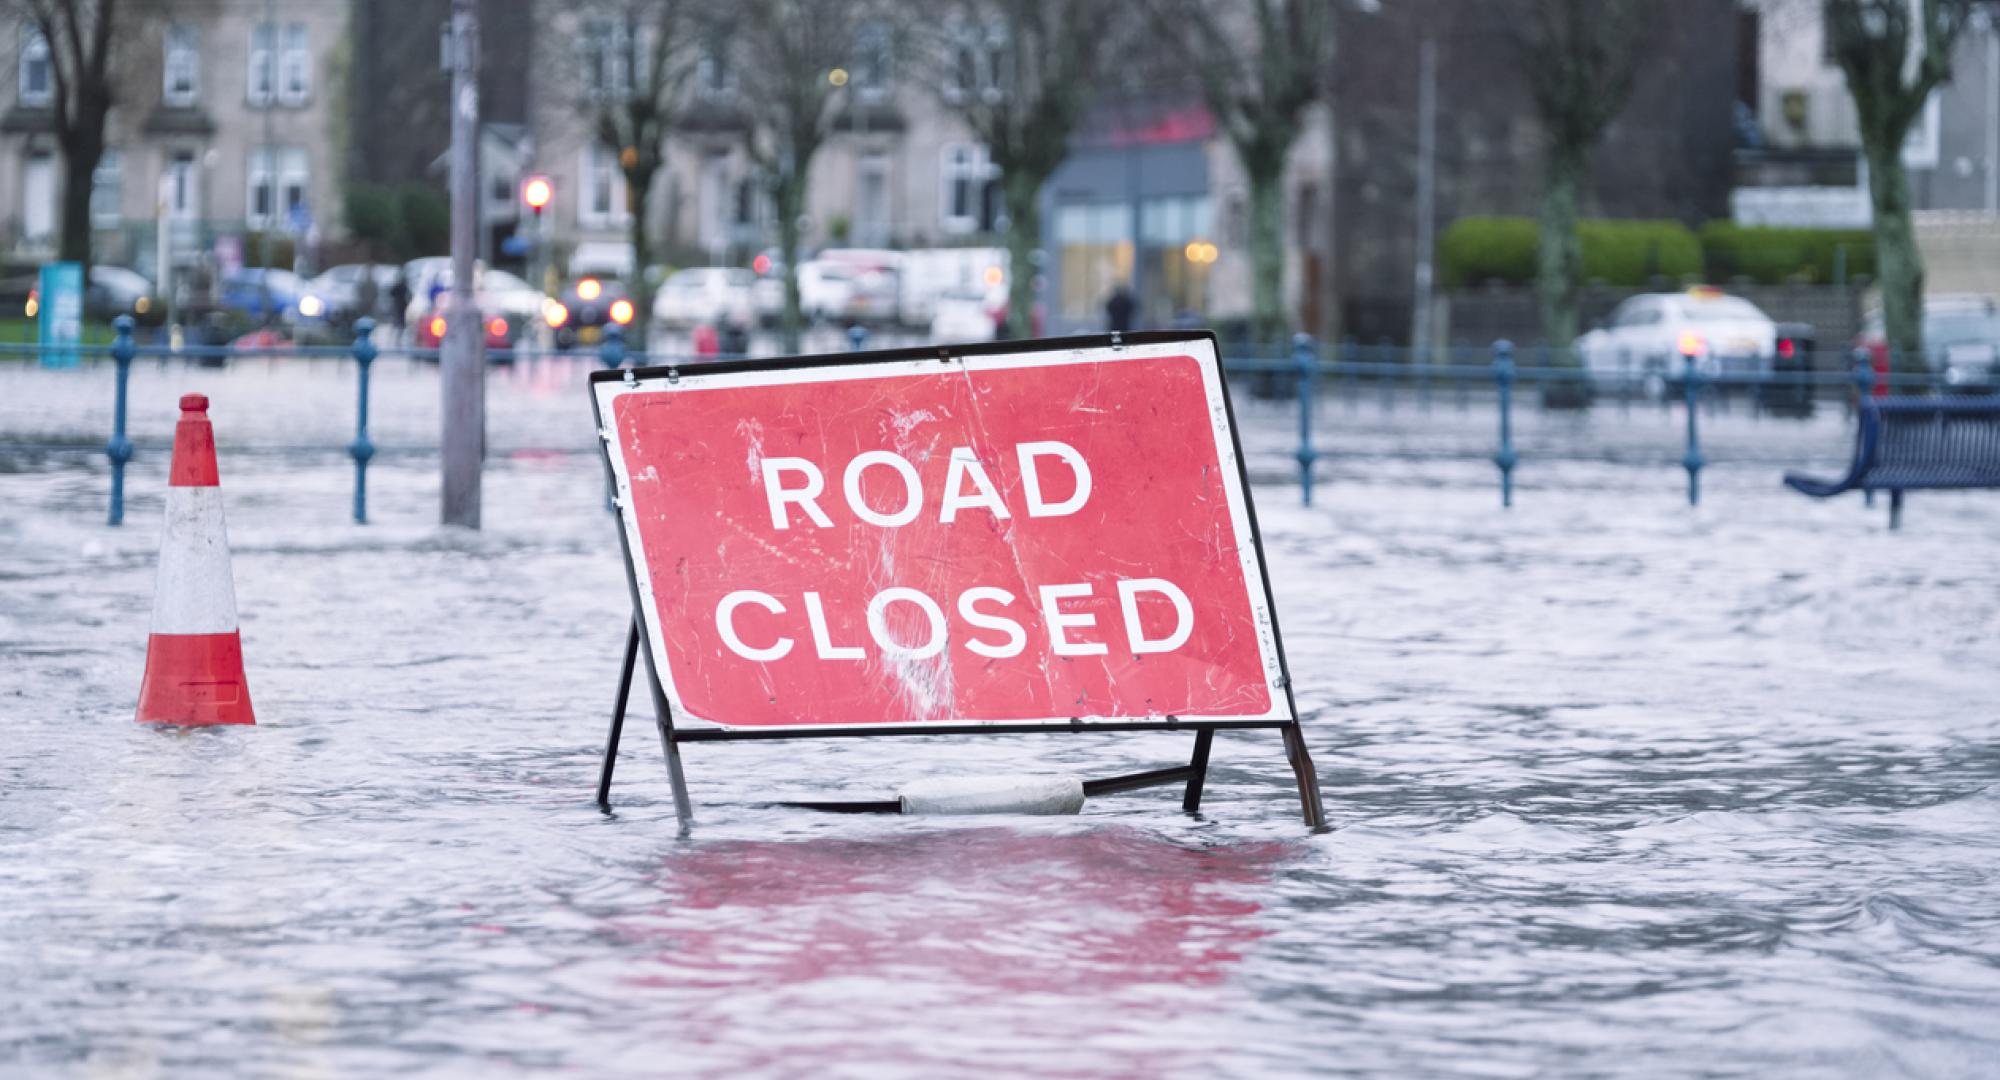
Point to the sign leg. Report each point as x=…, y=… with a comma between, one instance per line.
x=1302, y=768
x=670, y=748
x=683, y=808
x=618, y=718
x=1191, y=801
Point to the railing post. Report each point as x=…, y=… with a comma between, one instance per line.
x=1305, y=358
x=1692, y=459
x=611, y=352
x=1506, y=459
x=1385, y=357
x=857, y=338
x=362, y=449
x=119, y=449
x=1864, y=381
x=1350, y=357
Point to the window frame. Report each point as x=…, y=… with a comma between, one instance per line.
x=294, y=76
x=261, y=172
x=619, y=212
x=181, y=42
x=29, y=44
x=107, y=184
x=975, y=170
x=262, y=60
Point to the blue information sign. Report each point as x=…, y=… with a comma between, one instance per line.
x=61, y=314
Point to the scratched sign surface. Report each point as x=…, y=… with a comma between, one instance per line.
x=1034, y=537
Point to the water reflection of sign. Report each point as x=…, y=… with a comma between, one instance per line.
x=61, y=315
x=1043, y=537
x=1000, y=538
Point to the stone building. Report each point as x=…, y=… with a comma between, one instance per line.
x=229, y=120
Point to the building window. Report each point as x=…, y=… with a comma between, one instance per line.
x=970, y=199
x=713, y=72
x=37, y=81
x=279, y=193
x=260, y=202
x=607, y=59
x=293, y=194
x=603, y=189
x=295, y=67
x=181, y=67
x=262, y=46
x=181, y=200
x=872, y=72
x=107, y=192
x=978, y=59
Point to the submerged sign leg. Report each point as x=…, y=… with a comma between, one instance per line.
x=1302, y=768
x=1198, y=770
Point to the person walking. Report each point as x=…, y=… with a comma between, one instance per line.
x=399, y=303
x=1119, y=309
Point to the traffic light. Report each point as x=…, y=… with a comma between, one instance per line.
x=536, y=191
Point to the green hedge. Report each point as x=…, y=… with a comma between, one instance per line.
x=1775, y=256
x=1480, y=249
x=1475, y=250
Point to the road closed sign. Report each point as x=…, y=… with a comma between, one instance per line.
x=1043, y=535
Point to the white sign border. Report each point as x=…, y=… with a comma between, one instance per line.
x=606, y=392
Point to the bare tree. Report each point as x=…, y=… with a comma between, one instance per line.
x=790, y=60
x=1894, y=54
x=1261, y=63
x=1020, y=73
x=1580, y=58
x=635, y=57
x=83, y=38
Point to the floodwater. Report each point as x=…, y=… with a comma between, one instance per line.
x=1616, y=788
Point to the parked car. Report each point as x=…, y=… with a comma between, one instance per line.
x=337, y=291
x=585, y=308
x=928, y=274
x=967, y=315
x=876, y=273
x=115, y=291
x=263, y=294
x=703, y=294
x=501, y=333
x=499, y=294
x=1649, y=335
x=1961, y=342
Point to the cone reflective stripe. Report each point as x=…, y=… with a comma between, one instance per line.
x=194, y=657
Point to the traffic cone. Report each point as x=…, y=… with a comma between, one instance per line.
x=194, y=658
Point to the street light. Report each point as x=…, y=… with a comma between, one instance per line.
x=537, y=192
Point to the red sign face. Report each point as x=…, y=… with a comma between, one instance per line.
x=1039, y=537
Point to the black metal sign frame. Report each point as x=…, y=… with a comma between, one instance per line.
x=1192, y=775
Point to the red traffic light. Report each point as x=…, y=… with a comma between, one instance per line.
x=536, y=191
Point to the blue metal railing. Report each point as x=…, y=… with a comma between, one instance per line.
x=1308, y=378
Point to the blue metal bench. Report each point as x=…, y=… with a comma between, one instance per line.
x=1918, y=442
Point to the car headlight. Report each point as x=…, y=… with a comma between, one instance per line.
x=311, y=307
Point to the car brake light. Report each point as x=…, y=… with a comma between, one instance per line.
x=1786, y=348
x=1691, y=343
x=437, y=327
x=496, y=328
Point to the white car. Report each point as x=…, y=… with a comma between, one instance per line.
x=826, y=289
x=960, y=316
x=704, y=294
x=1649, y=335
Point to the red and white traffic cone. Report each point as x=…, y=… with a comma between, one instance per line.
x=194, y=658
